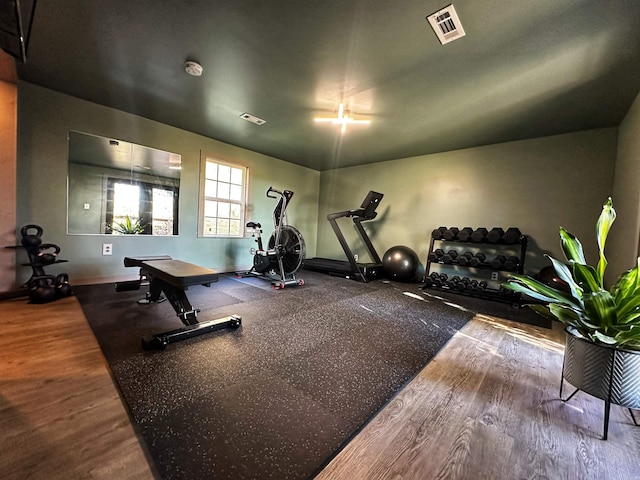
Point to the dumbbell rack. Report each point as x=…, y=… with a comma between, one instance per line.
x=475, y=267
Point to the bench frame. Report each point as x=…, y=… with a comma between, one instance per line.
x=173, y=278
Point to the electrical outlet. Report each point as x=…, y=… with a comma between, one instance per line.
x=494, y=276
x=107, y=249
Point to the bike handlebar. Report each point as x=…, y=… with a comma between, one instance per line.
x=271, y=189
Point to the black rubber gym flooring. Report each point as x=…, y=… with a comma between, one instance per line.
x=278, y=397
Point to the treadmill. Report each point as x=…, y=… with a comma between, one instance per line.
x=349, y=268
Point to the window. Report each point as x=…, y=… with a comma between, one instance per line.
x=223, y=193
x=141, y=207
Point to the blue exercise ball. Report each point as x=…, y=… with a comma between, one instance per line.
x=400, y=263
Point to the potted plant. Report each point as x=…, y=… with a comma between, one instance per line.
x=602, y=353
x=127, y=227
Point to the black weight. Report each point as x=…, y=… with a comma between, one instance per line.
x=63, y=288
x=482, y=286
x=464, y=235
x=450, y=233
x=436, y=281
x=479, y=235
x=495, y=235
x=436, y=255
x=450, y=256
x=47, y=253
x=465, y=258
x=31, y=239
x=511, y=236
x=438, y=233
x=498, y=262
x=511, y=263
x=42, y=289
x=478, y=259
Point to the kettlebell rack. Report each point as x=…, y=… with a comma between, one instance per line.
x=41, y=288
x=474, y=262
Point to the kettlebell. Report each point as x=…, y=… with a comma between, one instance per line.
x=47, y=253
x=63, y=289
x=42, y=289
x=31, y=239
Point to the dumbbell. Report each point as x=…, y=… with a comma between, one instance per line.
x=450, y=233
x=511, y=236
x=452, y=282
x=436, y=255
x=472, y=285
x=511, y=263
x=434, y=279
x=482, y=286
x=465, y=234
x=478, y=259
x=438, y=232
x=495, y=235
x=479, y=235
x=463, y=283
x=450, y=256
x=465, y=258
x=498, y=262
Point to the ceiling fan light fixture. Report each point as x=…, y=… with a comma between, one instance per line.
x=342, y=119
x=193, y=68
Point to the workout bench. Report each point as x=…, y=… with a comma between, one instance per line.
x=173, y=278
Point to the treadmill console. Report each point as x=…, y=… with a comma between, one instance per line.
x=370, y=204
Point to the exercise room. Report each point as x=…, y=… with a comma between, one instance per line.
x=320, y=240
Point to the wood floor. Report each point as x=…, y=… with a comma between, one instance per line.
x=486, y=407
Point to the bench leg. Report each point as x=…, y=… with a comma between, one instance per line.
x=160, y=341
x=187, y=314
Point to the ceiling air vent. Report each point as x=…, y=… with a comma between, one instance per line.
x=253, y=119
x=446, y=24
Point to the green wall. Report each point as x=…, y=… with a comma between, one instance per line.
x=536, y=185
x=622, y=249
x=44, y=119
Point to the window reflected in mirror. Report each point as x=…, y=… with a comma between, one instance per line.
x=120, y=188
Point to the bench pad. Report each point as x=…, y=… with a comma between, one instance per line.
x=180, y=274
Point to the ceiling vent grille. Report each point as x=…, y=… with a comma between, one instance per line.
x=446, y=24
x=253, y=119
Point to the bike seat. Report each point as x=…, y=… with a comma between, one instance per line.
x=253, y=225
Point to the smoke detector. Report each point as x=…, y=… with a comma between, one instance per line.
x=193, y=68
x=446, y=24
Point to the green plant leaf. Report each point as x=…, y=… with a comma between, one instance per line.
x=585, y=276
x=539, y=291
x=564, y=274
x=601, y=337
x=600, y=308
x=566, y=315
x=571, y=247
x=606, y=219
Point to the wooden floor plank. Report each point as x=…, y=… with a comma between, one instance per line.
x=494, y=415
x=61, y=415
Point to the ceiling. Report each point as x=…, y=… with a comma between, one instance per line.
x=525, y=69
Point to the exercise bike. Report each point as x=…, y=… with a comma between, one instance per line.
x=286, y=250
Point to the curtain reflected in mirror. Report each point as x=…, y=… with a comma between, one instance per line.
x=120, y=188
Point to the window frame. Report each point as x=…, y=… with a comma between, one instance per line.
x=202, y=198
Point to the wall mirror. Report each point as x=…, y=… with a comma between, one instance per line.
x=120, y=188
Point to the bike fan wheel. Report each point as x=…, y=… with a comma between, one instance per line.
x=293, y=248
